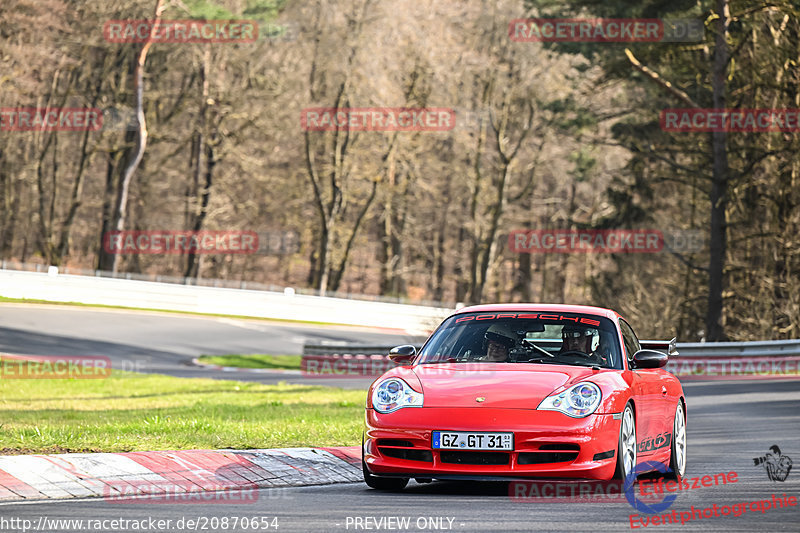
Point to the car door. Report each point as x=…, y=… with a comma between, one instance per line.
x=647, y=395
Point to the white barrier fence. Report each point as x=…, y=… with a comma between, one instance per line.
x=739, y=349
x=213, y=300
x=785, y=348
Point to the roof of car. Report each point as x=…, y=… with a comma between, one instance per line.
x=548, y=308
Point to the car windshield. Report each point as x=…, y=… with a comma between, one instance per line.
x=525, y=338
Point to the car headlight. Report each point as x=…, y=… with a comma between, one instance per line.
x=577, y=401
x=394, y=394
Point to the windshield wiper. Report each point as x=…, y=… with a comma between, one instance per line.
x=588, y=363
x=542, y=360
x=554, y=361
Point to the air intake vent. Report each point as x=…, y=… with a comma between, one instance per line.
x=408, y=455
x=396, y=442
x=546, y=457
x=560, y=447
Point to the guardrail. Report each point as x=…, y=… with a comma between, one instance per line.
x=347, y=349
x=739, y=349
x=286, y=305
x=695, y=360
x=737, y=360
x=337, y=360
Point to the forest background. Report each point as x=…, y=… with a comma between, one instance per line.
x=547, y=136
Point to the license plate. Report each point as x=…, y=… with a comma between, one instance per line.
x=460, y=440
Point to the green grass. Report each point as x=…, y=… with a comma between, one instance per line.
x=284, y=362
x=135, y=412
x=101, y=306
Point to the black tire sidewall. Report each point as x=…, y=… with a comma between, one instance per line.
x=673, y=455
x=378, y=482
x=619, y=472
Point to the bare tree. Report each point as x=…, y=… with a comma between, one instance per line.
x=141, y=136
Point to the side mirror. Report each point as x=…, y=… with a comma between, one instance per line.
x=649, y=359
x=403, y=355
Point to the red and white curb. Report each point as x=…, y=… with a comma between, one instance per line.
x=116, y=476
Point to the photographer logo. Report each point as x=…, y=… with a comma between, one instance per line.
x=776, y=464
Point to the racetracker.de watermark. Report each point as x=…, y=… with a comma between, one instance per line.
x=749, y=120
x=180, y=242
x=180, y=31
x=602, y=30
x=735, y=367
x=54, y=367
x=148, y=523
x=326, y=366
x=274, y=31
x=377, y=119
x=651, y=495
x=347, y=365
x=535, y=491
x=135, y=491
x=610, y=241
x=278, y=242
x=50, y=119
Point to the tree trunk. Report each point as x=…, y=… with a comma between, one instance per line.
x=719, y=186
x=76, y=199
x=487, y=249
x=336, y=275
x=440, y=250
x=141, y=138
x=199, y=143
x=46, y=209
x=115, y=159
x=386, y=233
x=12, y=192
x=563, y=260
x=192, y=268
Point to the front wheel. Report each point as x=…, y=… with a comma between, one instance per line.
x=383, y=483
x=380, y=483
x=677, y=456
x=626, y=449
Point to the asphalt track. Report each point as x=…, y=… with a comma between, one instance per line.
x=729, y=424
x=166, y=343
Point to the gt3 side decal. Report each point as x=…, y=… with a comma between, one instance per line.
x=655, y=443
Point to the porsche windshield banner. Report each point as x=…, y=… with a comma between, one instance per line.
x=536, y=316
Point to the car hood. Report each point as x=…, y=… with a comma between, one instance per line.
x=501, y=385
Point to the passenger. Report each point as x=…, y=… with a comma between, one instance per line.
x=603, y=352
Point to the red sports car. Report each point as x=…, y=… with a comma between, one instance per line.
x=515, y=391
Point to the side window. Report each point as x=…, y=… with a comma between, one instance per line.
x=629, y=338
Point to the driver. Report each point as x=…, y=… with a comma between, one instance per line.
x=498, y=340
x=576, y=338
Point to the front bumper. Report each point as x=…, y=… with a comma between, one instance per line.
x=547, y=444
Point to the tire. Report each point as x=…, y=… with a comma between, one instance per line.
x=677, y=452
x=380, y=483
x=626, y=445
x=383, y=483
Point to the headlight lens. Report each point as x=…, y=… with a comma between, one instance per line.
x=393, y=394
x=577, y=401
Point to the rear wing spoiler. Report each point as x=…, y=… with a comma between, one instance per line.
x=670, y=347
